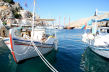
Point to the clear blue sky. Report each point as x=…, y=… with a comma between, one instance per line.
x=76, y=9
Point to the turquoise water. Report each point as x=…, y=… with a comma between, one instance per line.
x=91, y=62
x=72, y=56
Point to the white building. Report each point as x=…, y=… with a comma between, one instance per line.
x=25, y=14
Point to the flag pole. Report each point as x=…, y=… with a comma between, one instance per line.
x=33, y=21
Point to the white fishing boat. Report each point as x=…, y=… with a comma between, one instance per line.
x=98, y=38
x=27, y=42
x=19, y=42
x=30, y=39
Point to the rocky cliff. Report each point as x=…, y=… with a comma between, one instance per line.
x=82, y=21
x=9, y=9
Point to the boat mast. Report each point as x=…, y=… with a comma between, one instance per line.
x=64, y=21
x=95, y=26
x=69, y=21
x=59, y=22
x=33, y=21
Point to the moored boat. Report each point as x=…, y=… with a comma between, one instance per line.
x=69, y=27
x=98, y=39
x=31, y=40
x=19, y=43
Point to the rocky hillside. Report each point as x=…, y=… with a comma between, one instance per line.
x=9, y=9
x=80, y=22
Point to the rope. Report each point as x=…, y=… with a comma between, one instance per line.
x=43, y=59
x=40, y=55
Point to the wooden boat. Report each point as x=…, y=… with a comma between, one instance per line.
x=29, y=41
x=18, y=40
x=19, y=43
x=69, y=27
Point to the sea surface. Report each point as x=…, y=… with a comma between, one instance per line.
x=72, y=56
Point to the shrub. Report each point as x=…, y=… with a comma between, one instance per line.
x=9, y=1
x=16, y=15
x=4, y=23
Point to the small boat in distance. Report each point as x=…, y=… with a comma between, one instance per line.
x=69, y=27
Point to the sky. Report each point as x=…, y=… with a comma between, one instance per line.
x=76, y=9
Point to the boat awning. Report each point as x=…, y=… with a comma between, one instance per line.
x=107, y=19
x=91, y=21
x=45, y=19
x=42, y=19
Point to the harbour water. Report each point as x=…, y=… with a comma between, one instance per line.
x=72, y=56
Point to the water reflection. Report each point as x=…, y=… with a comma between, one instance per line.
x=91, y=62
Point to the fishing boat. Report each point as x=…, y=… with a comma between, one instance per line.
x=26, y=42
x=19, y=42
x=98, y=38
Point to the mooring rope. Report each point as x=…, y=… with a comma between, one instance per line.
x=40, y=55
x=43, y=59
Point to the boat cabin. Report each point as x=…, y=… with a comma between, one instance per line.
x=103, y=29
